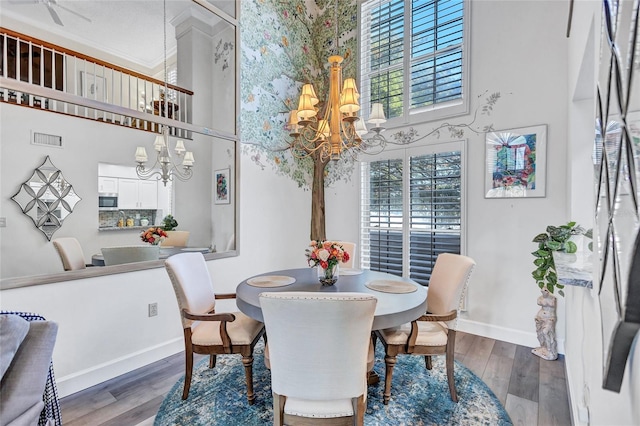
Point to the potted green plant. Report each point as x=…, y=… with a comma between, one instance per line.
x=169, y=223
x=556, y=238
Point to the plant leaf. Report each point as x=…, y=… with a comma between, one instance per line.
x=570, y=247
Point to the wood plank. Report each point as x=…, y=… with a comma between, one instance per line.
x=478, y=355
x=525, y=379
x=553, y=405
x=84, y=402
x=463, y=343
x=522, y=411
x=497, y=375
x=148, y=410
x=504, y=349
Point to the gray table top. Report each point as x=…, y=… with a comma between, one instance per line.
x=98, y=259
x=392, y=309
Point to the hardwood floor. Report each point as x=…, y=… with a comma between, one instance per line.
x=533, y=390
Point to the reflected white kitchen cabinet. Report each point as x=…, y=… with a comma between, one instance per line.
x=137, y=194
x=108, y=185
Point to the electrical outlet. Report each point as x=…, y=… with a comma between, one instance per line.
x=153, y=309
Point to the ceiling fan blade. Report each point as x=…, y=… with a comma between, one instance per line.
x=70, y=11
x=54, y=15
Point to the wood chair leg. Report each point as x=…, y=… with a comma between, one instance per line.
x=450, y=356
x=390, y=362
x=358, y=410
x=278, y=409
x=427, y=362
x=188, y=371
x=212, y=361
x=247, y=361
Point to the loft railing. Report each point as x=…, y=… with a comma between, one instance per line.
x=39, y=74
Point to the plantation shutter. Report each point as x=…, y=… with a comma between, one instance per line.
x=412, y=54
x=411, y=212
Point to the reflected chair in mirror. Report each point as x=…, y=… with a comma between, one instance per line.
x=205, y=331
x=129, y=254
x=435, y=332
x=70, y=252
x=176, y=239
x=318, y=349
x=351, y=249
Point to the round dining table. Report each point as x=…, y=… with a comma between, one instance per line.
x=400, y=300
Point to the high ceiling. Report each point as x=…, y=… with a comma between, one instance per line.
x=129, y=29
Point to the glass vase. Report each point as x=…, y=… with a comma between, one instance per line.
x=328, y=276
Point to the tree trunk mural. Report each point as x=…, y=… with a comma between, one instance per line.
x=318, y=231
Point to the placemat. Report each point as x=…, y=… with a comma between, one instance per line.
x=271, y=281
x=350, y=271
x=391, y=286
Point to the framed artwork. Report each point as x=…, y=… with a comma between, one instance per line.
x=223, y=193
x=93, y=86
x=516, y=162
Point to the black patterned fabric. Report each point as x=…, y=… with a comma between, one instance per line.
x=51, y=410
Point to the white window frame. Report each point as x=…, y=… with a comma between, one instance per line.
x=429, y=113
x=405, y=154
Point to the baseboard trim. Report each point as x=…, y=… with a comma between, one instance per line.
x=518, y=337
x=84, y=379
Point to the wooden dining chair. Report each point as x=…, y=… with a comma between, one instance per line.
x=205, y=331
x=435, y=332
x=318, y=345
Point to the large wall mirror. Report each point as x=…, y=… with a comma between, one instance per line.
x=195, y=49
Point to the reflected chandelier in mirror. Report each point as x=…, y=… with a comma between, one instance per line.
x=47, y=198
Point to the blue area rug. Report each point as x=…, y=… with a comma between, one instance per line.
x=418, y=396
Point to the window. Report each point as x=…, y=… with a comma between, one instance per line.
x=412, y=210
x=413, y=58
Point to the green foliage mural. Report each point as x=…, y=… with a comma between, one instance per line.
x=284, y=45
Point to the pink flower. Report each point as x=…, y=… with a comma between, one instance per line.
x=285, y=13
x=327, y=23
x=305, y=48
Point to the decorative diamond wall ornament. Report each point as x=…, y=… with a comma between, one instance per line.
x=617, y=161
x=47, y=198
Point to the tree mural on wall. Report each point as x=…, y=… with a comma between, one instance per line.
x=291, y=48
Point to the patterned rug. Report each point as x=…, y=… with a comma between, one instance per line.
x=418, y=396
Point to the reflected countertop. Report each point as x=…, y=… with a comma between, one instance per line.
x=122, y=228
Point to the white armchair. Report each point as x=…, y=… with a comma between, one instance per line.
x=435, y=332
x=318, y=348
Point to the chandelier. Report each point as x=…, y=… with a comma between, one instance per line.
x=337, y=128
x=164, y=167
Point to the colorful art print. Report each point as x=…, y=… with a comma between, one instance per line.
x=222, y=195
x=515, y=161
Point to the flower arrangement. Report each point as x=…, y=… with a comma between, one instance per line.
x=327, y=254
x=153, y=235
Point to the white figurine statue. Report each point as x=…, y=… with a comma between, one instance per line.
x=546, y=327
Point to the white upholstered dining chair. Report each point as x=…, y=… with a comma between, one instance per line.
x=350, y=248
x=205, y=331
x=435, y=332
x=129, y=254
x=70, y=252
x=176, y=239
x=318, y=345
